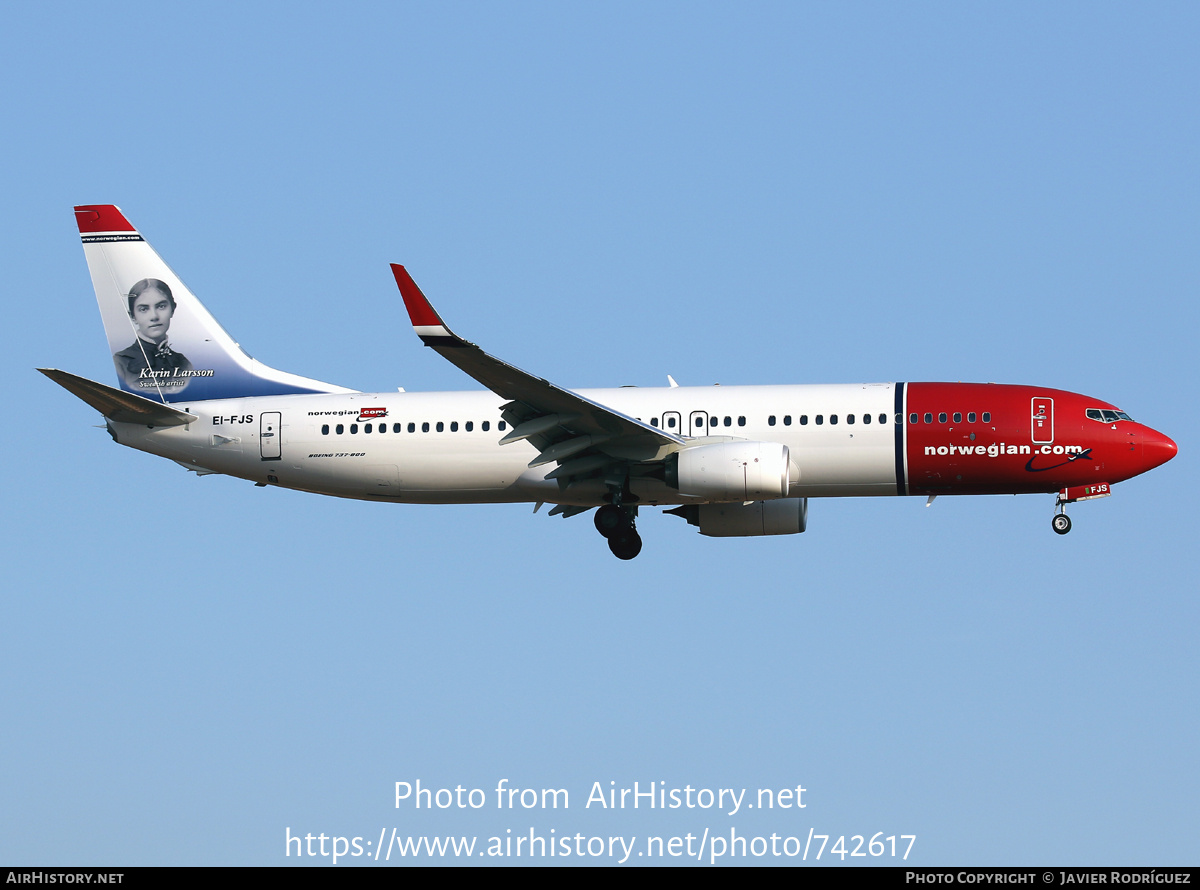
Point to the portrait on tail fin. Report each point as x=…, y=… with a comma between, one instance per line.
x=150, y=363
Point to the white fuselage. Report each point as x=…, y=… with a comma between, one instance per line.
x=434, y=447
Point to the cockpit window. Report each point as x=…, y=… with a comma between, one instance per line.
x=1104, y=415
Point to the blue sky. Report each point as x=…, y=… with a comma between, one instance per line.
x=762, y=193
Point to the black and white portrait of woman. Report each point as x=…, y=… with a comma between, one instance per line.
x=151, y=362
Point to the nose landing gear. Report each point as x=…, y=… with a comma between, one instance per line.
x=617, y=524
x=1061, y=523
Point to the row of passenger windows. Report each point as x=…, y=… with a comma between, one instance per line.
x=713, y=421
x=440, y=427
x=819, y=419
x=943, y=417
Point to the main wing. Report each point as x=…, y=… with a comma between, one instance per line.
x=583, y=436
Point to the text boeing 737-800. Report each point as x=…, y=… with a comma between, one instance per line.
x=733, y=460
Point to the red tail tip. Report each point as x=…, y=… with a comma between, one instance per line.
x=101, y=218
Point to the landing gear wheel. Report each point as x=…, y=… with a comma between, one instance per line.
x=1061, y=523
x=625, y=544
x=610, y=520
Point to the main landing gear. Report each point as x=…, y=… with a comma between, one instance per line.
x=617, y=524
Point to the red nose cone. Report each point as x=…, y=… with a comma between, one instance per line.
x=1157, y=449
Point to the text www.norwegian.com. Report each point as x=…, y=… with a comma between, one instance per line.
x=619, y=848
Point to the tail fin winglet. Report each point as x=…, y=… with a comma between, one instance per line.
x=425, y=320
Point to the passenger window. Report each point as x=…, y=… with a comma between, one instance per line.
x=987, y=416
x=803, y=420
x=820, y=419
x=771, y=420
x=741, y=421
x=412, y=427
x=425, y=427
x=971, y=417
x=883, y=418
x=653, y=421
x=339, y=429
x=849, y=418
x=486, y=425
x=928, y=418
x=440, y=426
x=470, y=425
x=325, y=429
x=958, y=417
x=670, y=422
x=353, y=428
x=728, y=420
x=787, y=420
x=501, y=426
x=832, y=418
x=942, y=417
x=383, y=427
x=367, y=428
x=867, y=418
x=395, y=427
x=454, y=426
x=912, y=418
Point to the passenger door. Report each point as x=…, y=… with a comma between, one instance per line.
x=269, y=443
x=1041, y=421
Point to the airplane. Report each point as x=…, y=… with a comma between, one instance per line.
x=734, y=461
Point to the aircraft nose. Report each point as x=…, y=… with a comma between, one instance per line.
x=1157, y=449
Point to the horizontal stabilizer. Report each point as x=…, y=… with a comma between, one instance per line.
x=123, y=407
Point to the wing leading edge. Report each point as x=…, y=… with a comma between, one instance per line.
x=583, y=436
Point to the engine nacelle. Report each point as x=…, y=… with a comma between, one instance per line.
x=785, y=516
x=731, y=471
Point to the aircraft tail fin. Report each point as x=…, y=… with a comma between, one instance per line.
x=165, y=344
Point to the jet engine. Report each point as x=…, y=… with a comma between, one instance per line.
x=731, y=471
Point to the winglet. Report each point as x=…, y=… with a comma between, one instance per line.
x=425, y=320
